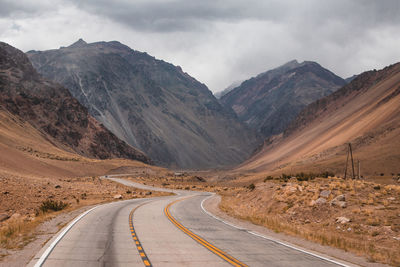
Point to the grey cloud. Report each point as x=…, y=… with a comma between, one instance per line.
x=184, y=15
x=23, y=8
x=218, y=41
x=179, y=15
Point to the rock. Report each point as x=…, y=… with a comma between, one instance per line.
x=57, y=186
x=320, y=201
x=340, y=198
x=3, y=217
x=15, y=216
x=342, y=220
x=325, y=193
x=148, y=193
x=290, y=189
x=349, y=229
x=339, y=201
x=391, y=198
x=119, y=196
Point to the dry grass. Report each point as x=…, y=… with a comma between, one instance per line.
x=285, y=207
x=19, y=232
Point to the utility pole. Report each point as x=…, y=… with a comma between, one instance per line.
x=349, y=153
x=352, y=161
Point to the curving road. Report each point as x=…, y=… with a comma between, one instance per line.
x=165, y=231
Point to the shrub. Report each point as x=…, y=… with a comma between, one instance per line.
x=52, y=205
x=269, y=177
x=327, y=174
x=251, y=187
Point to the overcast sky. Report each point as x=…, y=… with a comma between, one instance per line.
x=217, y=42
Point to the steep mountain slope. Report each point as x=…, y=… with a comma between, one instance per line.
x=365, y=112
x=271, y=100
x=52, y=110
x=149, y=103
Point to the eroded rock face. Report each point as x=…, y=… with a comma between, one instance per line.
x=271, y=100
x=51, y=109
x=149, y=103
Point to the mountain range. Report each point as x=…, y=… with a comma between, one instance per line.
x=271, y=100
x=150, y=104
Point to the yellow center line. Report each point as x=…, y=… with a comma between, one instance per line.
x=139, y=247
x=200, y=240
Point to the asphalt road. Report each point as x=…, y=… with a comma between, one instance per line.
x=165, y=231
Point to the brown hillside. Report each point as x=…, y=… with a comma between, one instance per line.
x=365, y=112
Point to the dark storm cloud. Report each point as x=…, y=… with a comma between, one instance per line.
x=184, y=15
x=166, y=16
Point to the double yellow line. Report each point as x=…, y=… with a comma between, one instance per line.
x=200, y=240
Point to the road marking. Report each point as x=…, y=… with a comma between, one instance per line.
x=139, y=247
x=269, y=238
x=47, y=252
x=200, y=240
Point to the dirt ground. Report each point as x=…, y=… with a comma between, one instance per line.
x=356, y=216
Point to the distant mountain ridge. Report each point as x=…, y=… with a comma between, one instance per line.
x=149, y=103
x=364, y=113
x=271, y=100
x=52, y=110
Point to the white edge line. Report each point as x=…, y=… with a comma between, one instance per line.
x=269, y=238
x=47, y=252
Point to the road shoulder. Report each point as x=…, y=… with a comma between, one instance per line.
x=212, y=203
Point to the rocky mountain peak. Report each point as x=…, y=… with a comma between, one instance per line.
x=272, y=99
x=79, y=43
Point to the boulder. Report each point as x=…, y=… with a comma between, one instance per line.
x=15, y=216
x=342, y=204
x=342, y=220
x=320, y=201
x=340, y=198
x=325, y=193
x=119, y=196
x=289, y=189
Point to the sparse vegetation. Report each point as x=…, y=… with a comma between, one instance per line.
x=289, y=205
x=268, y=178
x=251, y=187
x=51, y=205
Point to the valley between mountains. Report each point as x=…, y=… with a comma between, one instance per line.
x=176, y=176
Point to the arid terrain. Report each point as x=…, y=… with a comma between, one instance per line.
x=356, y=216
